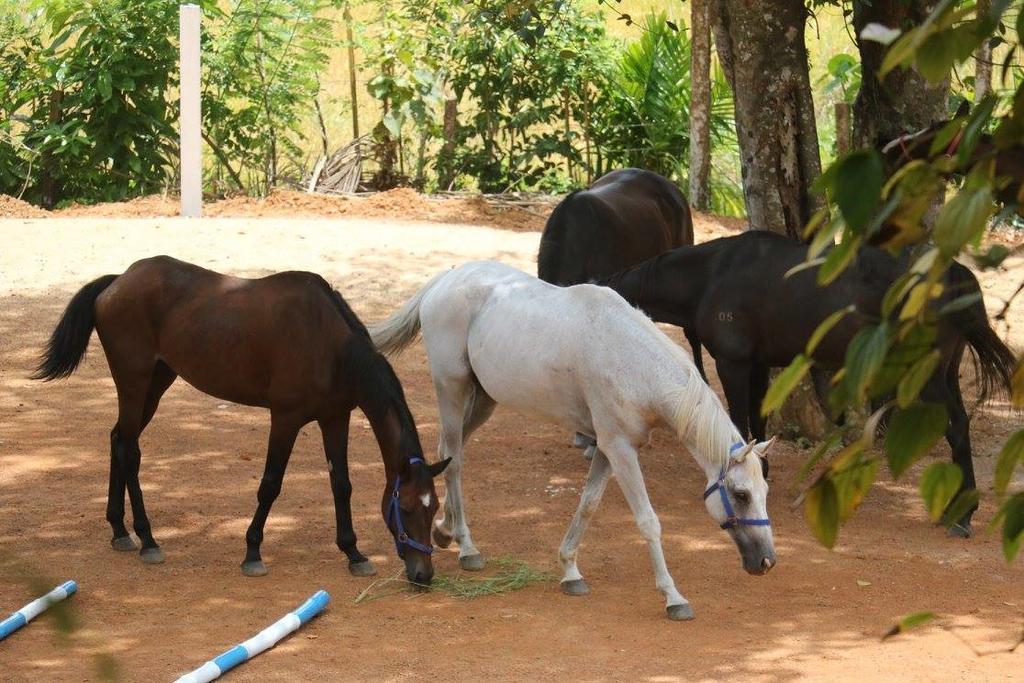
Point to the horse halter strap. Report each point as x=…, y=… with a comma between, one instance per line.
x=732, y=521
x=402, y=538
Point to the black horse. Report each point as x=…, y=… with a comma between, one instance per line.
x=624, y=218
x=287, y=342
x=734, y=294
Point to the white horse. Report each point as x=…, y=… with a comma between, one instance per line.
x=495, y=334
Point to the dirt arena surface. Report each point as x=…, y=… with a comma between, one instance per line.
x=818, y=615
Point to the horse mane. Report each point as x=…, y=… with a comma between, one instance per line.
x=695, y=412
x=701, y=421
x=377, y=384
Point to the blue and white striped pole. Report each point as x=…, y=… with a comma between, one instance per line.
x=264, y=640
x=35, y=608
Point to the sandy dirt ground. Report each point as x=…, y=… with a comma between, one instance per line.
x=818, y=615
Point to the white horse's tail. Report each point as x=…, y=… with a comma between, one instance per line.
x=393, y=335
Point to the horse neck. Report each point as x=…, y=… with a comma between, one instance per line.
x=396, y=437
x=701, y=422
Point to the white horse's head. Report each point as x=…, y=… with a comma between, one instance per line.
x=738, y=501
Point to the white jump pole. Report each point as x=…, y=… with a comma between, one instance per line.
x=190, y=121
x=35, y=608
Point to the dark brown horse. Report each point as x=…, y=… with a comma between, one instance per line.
x=626, y=217
x=286, y=342
x=734, y=293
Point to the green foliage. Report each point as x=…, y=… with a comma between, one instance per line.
x=645, y=121
x=912, y=432
x=843, y=75
x=909, y=622
x=260, y=64
x=898, y=354
x=87, y=82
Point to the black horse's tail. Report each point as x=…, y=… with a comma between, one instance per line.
x=549, y=257
x=994, y=360
x=70, y=338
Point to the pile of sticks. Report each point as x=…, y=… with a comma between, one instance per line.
x=340, y=172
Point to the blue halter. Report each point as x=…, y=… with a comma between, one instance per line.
x=732, y=521
x=402, y=538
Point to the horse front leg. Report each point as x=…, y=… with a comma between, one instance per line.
x=626, y=467
x=283, y=430
x=335, y=436
x=597, y=479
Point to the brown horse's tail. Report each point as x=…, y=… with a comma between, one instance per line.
x=994, y=359
x=70, y=338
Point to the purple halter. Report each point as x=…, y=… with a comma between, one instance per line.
x=402, y=538
x=732, y=521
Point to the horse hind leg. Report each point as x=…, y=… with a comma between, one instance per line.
x=456, y=400
x=958, y=435
x=597, y=479
x=160, y=381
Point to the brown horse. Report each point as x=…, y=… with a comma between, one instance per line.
x=287, y=342
x=626, y=217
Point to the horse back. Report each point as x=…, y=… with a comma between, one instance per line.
x=269, y=341
x=626, y=217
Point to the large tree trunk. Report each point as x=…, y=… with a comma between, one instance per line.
x=903, y=101
x=700, y=103
x=763, y=44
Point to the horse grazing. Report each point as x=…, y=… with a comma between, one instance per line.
x=481, y=326
x=751, y=317
x=286, y=342
x=625, y=217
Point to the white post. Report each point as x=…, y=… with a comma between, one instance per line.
x=191, y=117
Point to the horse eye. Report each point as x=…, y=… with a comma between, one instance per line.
x=742, y=496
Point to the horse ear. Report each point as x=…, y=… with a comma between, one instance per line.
x=745, y=451
x=763, y=448
x=437, y=468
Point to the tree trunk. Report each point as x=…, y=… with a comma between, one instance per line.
x=50, y=185
x=700, y=103
x=353, y=89
x=844, y=130
x=446, y=158
x=983, y=60
x=778, y=138
x=904, y=101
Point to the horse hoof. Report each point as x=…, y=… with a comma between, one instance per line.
x=124, y=544
x=575, y=587
x=152, y=555
x=254, y=568
x=441, y=538
x=472, y=563
x=681, y=612
x=364, y=568
x=959, y=530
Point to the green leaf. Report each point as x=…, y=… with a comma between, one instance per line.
x=914, y=380
x=964, y=502
x=825, y=327
x=830, y=442
x=821, y=507
x=962, y=218
x=911, y=621
x=864, y=358
x=852, y=483
x=911, y=433
x=897, y=290
x=1010, y=456
x=838, y=259
x=1012, y=515
x=939, y=484
x=392, y=123
x=103, y=84
x=858, y=186
x=960, y=303
x=784, y=384
x=975, y=127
